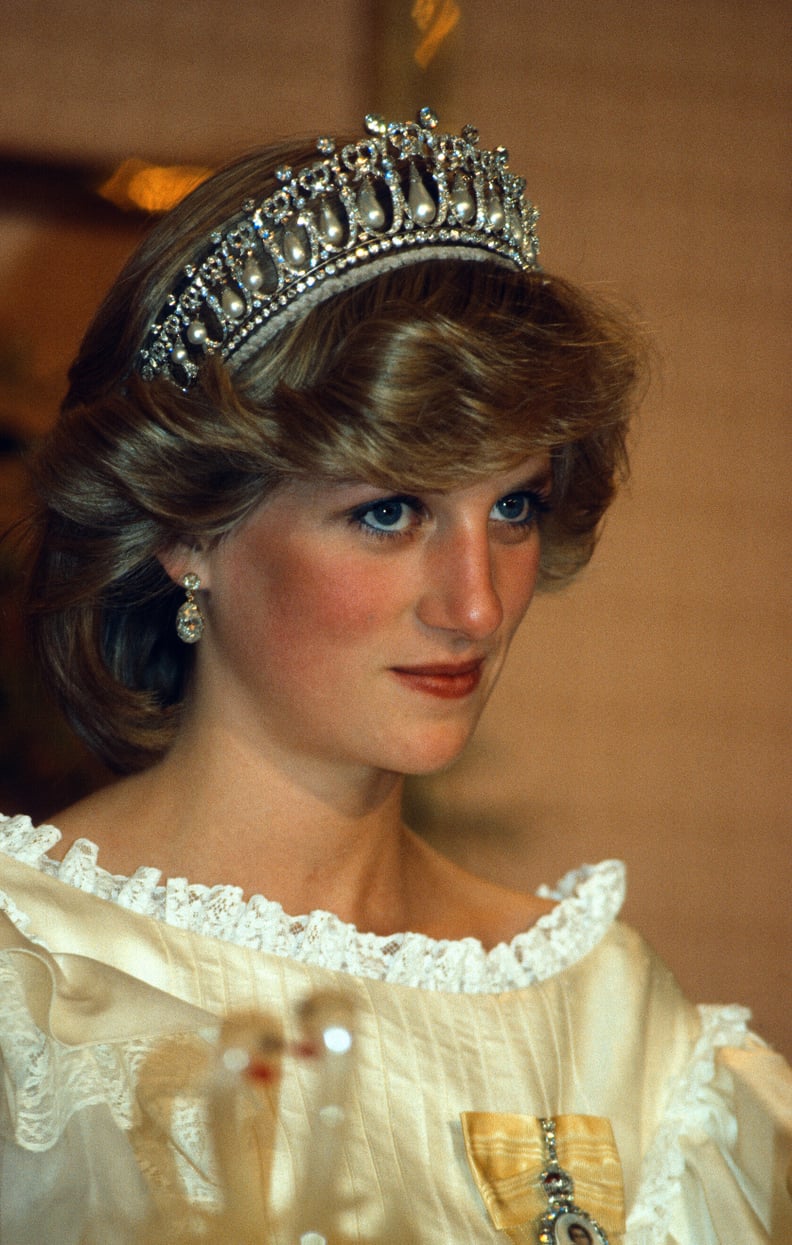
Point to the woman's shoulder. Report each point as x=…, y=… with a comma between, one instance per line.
x=448, y=902
x=468, y=905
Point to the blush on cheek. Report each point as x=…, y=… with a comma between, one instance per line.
x=342, y=601
x=350, y=608
x=305, y=617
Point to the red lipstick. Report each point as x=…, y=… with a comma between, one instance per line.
x=449, y=681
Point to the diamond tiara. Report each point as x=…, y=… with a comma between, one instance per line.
x=403, y=194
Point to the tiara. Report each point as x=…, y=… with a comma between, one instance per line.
x=402, y=194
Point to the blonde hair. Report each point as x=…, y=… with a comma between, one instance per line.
x=428, y=376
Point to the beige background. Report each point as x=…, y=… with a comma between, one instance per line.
x=646, y=712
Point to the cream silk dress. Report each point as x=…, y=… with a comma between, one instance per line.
x=676, y=1121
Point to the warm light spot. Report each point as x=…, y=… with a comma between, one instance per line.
x=151, y=187
x=435, y=19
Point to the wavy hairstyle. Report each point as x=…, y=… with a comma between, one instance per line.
x=429, y=376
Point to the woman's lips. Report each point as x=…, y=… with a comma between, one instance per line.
x=446, y=680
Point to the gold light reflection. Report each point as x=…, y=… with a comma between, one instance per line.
x=435, y=20
x=137, y=185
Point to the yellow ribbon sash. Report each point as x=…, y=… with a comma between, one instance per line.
x=507, y=1154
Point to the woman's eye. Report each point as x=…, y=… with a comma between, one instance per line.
x=392, y=514
x=521, y=507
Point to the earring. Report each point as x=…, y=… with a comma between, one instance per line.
x=189, y=619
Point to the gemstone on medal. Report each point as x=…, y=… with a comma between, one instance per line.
x=557, y=1184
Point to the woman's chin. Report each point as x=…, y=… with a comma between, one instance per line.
x=431, y=756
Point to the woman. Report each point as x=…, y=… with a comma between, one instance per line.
x=328, y=432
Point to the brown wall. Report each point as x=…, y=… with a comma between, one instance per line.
x=646, y=711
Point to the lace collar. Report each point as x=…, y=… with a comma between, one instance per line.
x=588, y=901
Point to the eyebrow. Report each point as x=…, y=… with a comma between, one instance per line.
x=540, y=478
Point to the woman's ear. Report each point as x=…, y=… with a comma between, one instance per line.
x=181, y=559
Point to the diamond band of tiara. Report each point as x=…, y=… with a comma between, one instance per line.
x=402, y=194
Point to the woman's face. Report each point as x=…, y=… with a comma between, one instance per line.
x=366, y=627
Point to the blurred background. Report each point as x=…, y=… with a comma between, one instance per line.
x=646, y=711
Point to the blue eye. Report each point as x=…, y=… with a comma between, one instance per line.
x=391, y=514
x=520, y=508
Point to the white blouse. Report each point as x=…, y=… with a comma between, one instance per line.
x=113, y=989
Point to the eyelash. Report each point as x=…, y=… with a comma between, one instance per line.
x=538, y=504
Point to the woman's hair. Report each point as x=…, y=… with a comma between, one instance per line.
x=430, y=376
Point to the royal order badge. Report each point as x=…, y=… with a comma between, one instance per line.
x=563, y=1223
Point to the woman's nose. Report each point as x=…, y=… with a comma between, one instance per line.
x=459, y=590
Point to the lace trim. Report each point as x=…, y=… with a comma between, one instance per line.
x=589, y=899
x=50, y=1081
x=695, y=1107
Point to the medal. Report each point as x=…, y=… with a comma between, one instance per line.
x=563, y=1223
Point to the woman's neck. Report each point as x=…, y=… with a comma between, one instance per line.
x=307, y=836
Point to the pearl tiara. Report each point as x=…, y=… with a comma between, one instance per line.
x=403, y=194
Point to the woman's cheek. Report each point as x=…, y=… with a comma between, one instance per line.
x=342, y=601
x=320, y=606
